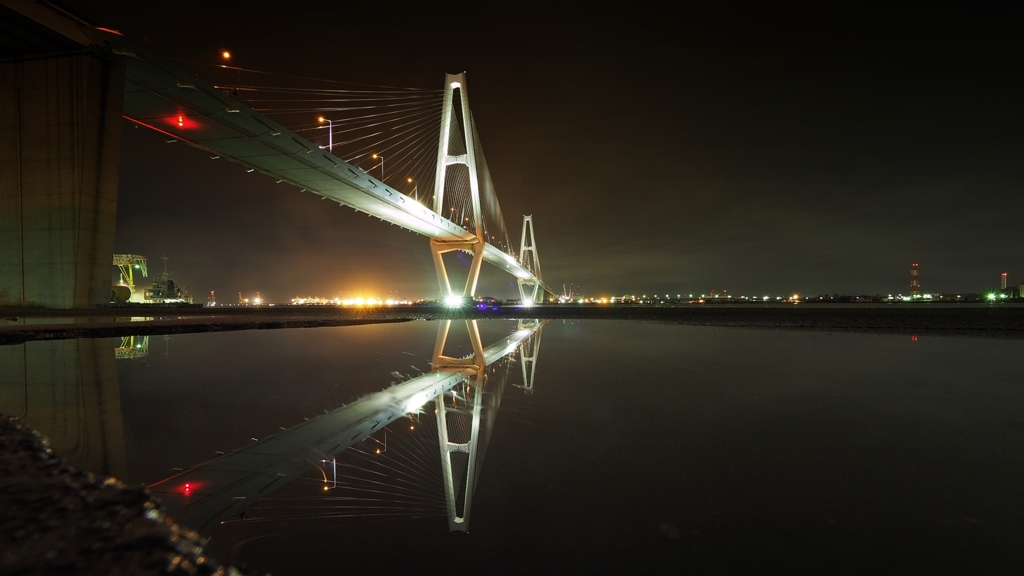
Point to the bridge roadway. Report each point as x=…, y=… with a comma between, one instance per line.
x=162, y=96
x=202, y=496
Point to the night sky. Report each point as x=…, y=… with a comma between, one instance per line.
x=713, y=147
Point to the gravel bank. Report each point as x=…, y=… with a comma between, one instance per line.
x=58, y=520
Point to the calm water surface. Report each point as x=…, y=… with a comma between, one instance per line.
x=636, y=447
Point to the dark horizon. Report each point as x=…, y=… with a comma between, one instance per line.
x=762, y=152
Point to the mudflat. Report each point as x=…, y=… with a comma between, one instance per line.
x=990, y=321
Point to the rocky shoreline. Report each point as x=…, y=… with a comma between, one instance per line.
x=57, y=519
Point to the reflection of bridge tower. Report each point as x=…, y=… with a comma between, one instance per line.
x=466, y=416
x=457, y=436
x=67, y=390
x=528, y=351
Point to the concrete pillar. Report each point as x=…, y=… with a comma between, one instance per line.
x=60, y=145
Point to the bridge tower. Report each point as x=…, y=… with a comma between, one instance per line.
x=531, y=261
x=457, y=124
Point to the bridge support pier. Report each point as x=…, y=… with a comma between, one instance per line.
x=439, y=247
x=60, y=145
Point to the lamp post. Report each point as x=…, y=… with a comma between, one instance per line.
x=381, y=158
x=330, y=131
x=238, y=71
x=415, y=189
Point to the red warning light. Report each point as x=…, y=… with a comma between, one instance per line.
x=181, y=121
x=913, y=338
x=188, y=488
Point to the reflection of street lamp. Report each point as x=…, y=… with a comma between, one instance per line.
x=381, y=158
x=330, y=131
x=238, y=71
x=415, y=188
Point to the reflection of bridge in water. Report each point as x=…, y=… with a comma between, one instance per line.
x=465, y=399
x=68, y=390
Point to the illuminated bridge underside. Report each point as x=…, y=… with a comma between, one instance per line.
x=227, y=485
x=166, y=98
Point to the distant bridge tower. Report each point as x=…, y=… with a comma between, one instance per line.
x=1002, y=281
x=529, y=259
x=915, y=281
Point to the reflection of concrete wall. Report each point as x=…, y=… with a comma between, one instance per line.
x=67, y=390
x=60, y=144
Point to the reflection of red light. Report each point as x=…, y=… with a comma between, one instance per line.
x=181, y=121
x=913, y=338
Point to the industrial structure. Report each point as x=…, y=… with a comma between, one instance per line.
x=126, y=265
x=915, y=282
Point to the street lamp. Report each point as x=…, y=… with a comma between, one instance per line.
x=238, y=71
x=330, y=131
x=381, y=158
x=415, y=188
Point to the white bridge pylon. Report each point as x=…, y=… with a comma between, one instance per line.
x=529, y=259
x=456, y=105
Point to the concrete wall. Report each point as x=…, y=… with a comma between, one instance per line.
x=60, y=145
x=68, y=391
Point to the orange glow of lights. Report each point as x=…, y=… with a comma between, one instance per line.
x=378, y=450
x=181, y=121
x=226, y=55
x=325, y=488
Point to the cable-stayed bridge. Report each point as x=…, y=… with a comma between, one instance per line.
x=58, y=60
